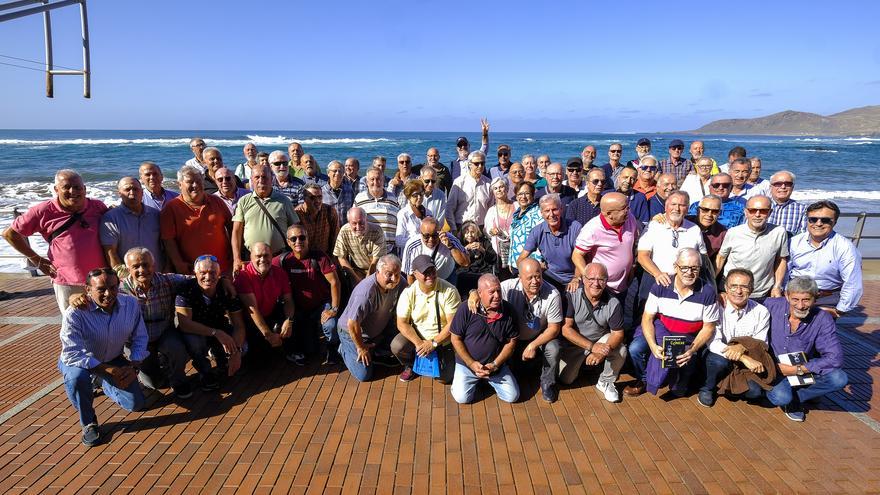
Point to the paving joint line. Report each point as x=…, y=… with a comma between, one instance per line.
x=25, y=320
x=21, y=334
x=21, y=406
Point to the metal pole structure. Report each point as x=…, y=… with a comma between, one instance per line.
x=50, y=81
x=87, y=72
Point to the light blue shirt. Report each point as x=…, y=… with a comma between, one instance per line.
x=91, y=336
x=835, y=264
x=158, y=202
x=123, y=229
x=436, y=202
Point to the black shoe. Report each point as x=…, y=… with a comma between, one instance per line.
x=387, y=361
x=183, y=391
x=550, y=393
x=296, y=358
x=210, y=382
x=91, y=435
x=333, y=358
x=706, y=398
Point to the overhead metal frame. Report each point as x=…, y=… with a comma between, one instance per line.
x=45, y=8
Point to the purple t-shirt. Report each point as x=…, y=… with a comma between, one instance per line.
x=484, y=340
x=556, y=249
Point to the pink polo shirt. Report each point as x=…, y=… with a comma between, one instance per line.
x=75, y=252
x=611, y=247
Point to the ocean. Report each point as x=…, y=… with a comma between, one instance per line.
x=826, y=167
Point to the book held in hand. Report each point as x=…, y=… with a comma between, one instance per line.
x=795, y=359
x=673, y=346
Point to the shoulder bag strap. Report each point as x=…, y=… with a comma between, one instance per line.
x=269, y=216
x=66, y=225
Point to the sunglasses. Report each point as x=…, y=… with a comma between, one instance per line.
x=720, y=185
x=821, y=220
x=503, y=154
x=596, y=182
x=615, y=151
x=279, y=164
x=300, y=238
x=782, y=183
x=209, y=257
x=429, y=181
x=223, y=179
x=714, y=211
x=676, y=147
x=478, y=164
x=649, y=168
x=405, y=162
x=674, y=238
x=430, y=236
x=755, y=211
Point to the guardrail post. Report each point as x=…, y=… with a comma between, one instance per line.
x=860, y=226
x=33, y=270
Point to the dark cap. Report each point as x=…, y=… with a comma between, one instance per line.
x=462, y=141
x=574, y=162
x=676, y=142
x=422, y=262
x=644, y=142
x=504, y=147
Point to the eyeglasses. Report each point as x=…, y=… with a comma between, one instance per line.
x=755, y=211
x=478, y=164
x=688, y=269
x=208, y=257
x=596, y=182
x=738, y=287
x=720, y=185
x=782, y=183
x=821, y=220
x=279, y=164
x=429, y=181
x=596, y=280
x=676, y=147
x=615, y=151
x=300, y=238
x=649, y=168
x=524, y=195
x=714, y=211
x=503, y=153
x=404, y=162
x=223, y=179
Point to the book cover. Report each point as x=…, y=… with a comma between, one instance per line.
x=673, y=346
x=794, y=359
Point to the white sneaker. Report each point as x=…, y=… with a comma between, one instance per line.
x=609, y=390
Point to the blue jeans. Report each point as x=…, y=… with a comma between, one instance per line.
x=783, y=394
x=349, y=354
x=464, y=384
x=198, y=346
x=717, y=367
x=78, y=385
x=639, y=352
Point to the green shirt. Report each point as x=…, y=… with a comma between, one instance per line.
x=257, y=226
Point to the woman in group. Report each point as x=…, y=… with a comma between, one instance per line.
x=498, y=220
x=482, y=256
x=530, y=165
x=525, y=218
x=697, y=184
x=410, y=216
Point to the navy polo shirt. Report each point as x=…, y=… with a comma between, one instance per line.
x=484, y=340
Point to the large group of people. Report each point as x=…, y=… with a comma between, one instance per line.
x=468, y=272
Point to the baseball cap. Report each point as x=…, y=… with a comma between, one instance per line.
x=676, y=142
x=461, y=142
x=422, y=263
x=644, y=142
x=574, y=162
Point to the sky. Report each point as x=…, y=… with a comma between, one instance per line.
x=428, y=65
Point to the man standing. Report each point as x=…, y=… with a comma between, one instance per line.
x=367, y=326
x=227, y=189
x=740, y=317
x=312, y=171
x=210, y=317
x=787, y=213
x=554, y=176
x=647, y=183
x=828, y=258
x=92, y=342
x=757, y=246
x=638, y=203
x=155, y=195
x=675, y=164
x=666, y=185
x=381, y=208
x=613, y=167
x=470, y=196
x=195, y=223
x=707, y=219
x=697, y=184
x=283, y=180
x=435, y=198
x=197, y=145
x=458, y=166
x=588, y=155
x=696, y=150
x=574, y=176
x=320, y=220
x=130, y=224
x=213, y=161
x=424, y=314
x=443, y=174
x=337, y=192
x=593, y=332
x=483, y=343
x=733, y=154
x=243, y=170
x=261, y=216
x=69, y=224
x=403, y=175
x=317, y=293
x=445, y=250
x=732, y=208
x=352, y=174
x=555, y=238
x=503, y=165
x=740, y=170
x=643, y=149
x=294, y=166
x=609, y=240
x=586, y=207
x=798, y=326
x=686, y=308
x=359, y=246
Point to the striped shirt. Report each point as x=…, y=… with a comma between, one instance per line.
x=293, y=190
x=683, y=315
x=91, y=336
x=790, y=215
x=381, y=211
x=341, y=199
x=360, y=251
x=156, y=303
x=443, y=259
x=679, y=169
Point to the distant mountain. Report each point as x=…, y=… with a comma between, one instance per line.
x=864, y=121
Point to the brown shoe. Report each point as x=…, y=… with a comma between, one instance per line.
x=637, y=388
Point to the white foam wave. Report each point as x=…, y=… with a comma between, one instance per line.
x=816, y=194
x=257, y=139
x=94, y=142
x=529, y=140
x=862, y=139
x=818, y=150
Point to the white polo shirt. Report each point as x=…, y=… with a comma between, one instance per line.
x=664, y=242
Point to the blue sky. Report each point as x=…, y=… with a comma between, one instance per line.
x=432, y=65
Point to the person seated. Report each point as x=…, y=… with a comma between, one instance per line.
x=593, y=332
x=265, y=294
x=555, y=240
x=483, y=343
x=210, y=318
x=317, y=292
x=424, y=313
x=740, y=317
x=367, y=326
x=686, y=308
x=92, y=342
x=359, y=246
x=444, y=248
x=798, y=325
x=481, y=255
x=412, y=211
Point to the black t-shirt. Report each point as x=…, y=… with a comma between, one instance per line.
x=210, y=312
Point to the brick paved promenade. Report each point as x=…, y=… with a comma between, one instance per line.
x=317, y=430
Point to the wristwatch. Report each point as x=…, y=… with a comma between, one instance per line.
x=434, y=343
x=800, y=370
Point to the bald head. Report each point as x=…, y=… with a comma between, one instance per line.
x=615, y=208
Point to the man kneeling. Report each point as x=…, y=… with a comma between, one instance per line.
x=92, y=341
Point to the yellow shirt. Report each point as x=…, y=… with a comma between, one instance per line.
x=420, y=308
